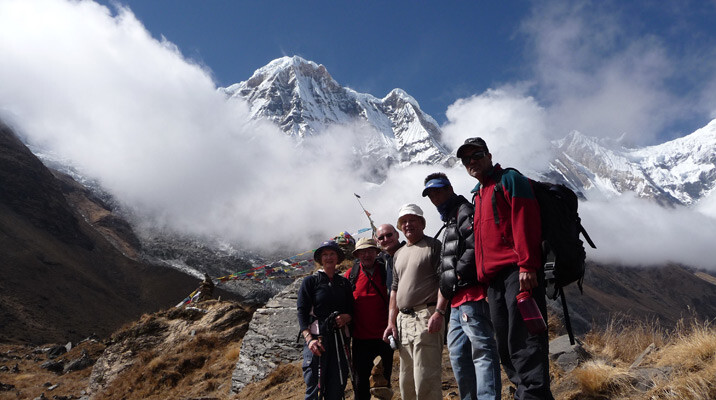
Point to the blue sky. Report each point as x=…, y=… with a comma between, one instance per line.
x=127, y=97
x=572, y=57
x=436, y=53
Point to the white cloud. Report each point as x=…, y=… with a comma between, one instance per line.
x=147, y=123
x=601, y=72
x=631, y=231
x=512, y=124
x=130, y=110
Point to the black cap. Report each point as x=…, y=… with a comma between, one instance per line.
x=471, y=142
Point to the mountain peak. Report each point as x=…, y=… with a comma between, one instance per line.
x=302, y=98
x=286, y=71
x=398, y=95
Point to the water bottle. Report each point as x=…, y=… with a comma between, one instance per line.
x=530, y=313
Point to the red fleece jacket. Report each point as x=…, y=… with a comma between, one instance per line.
x=516, y=238
x=370, y=315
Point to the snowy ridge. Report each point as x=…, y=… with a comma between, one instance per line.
x=680, y=171
x=303, y=99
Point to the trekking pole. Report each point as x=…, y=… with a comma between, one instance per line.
x=338, y=357
x=320, y=375
x=351, y=372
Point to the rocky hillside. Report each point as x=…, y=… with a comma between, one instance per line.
x=69, y=267
x=190, y=354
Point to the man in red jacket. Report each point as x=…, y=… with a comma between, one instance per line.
x=370, y=317
x=508, y=257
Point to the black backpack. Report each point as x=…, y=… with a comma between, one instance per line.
x=562, y=249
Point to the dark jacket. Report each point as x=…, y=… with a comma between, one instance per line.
x=320, y=296
x=515, y=237
x=389, y=262
x=457, y=268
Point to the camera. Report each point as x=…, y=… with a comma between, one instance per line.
x=393, y=342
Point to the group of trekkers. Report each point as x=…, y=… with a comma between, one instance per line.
x=401, y=295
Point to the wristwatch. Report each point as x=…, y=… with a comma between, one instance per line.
x=439, y=311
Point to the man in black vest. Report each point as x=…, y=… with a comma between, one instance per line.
x=471, y=342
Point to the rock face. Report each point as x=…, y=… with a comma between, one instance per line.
x=303, y=99
x=270, y=340
x=680, y=171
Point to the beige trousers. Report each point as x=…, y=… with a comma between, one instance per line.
x=420, y=356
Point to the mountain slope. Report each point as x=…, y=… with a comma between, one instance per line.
x=303, y=99
x=680, y=171
x=60, y=278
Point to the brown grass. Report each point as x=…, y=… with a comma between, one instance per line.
x=682, y=366
x=623, y=339
x=692, y=354
x=198, y=367
x=693, y=348
x=597, y=378
x=686, y=357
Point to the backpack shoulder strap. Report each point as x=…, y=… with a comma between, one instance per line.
x=355, y=270
x=353, y=276
x=498, y=189
x=441, y=229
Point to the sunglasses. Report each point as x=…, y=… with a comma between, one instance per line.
x=476, y=156
x=387, y=235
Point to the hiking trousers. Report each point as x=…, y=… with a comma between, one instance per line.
x=524, y=357
x=420, y=356
x=321, y=373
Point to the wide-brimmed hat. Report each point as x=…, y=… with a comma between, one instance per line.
x=471, y=142
x=331, y=245
x=410, y=209
x=365, y=243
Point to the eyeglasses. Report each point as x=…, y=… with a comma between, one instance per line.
x=476, y=156
x=387, y=235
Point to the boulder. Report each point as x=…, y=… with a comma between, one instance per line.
x=566, y=355
x=80, y=363
x=54, y=366
x=270, y=340
x=56, y=351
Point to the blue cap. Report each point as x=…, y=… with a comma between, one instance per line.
x=434, y=184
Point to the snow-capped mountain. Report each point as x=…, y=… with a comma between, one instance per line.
x=680, y=171
x=303, y=99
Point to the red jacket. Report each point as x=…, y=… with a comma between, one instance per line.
x=516, y=238
x=370, y=312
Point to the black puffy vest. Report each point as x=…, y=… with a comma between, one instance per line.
x=457, y=268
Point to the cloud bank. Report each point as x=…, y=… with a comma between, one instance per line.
x=93, y=87
x=601, y=70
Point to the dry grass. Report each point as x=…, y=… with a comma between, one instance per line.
x=196, y=367
x=692, y=354
x=685, y=359
x=623, y=339
x=693, y=347
x=597, y=378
